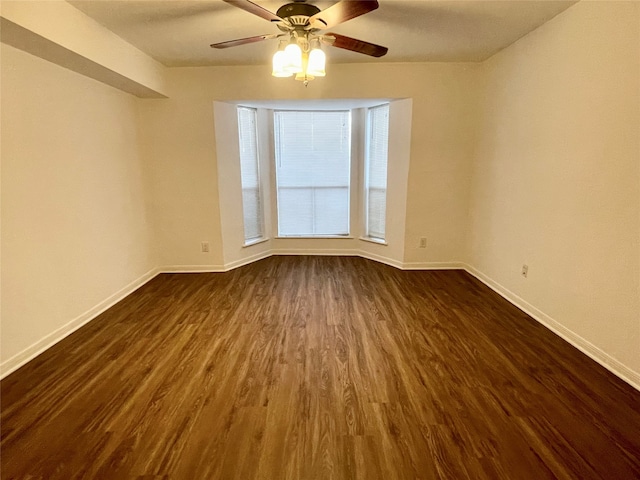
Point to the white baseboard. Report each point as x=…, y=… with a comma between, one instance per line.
x=192, y=269
x=214, y=268
x=607, y=361
x=317, y=252
x=12, y=364
x=253, y=258
x=375, y=257
x=350, y=252
x=433, y=266
x=342, y=253
x=246, y=260
x=381, y=259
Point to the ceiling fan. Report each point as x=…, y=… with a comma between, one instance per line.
x=302, y=25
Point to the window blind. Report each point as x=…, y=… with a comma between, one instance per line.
x=376, y=171
x=313, y=158
x=250, y=175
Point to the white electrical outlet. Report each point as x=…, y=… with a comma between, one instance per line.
x=423, y=242
x=204, y=247
x=525, y=270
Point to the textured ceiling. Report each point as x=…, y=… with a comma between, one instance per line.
x=178, y=33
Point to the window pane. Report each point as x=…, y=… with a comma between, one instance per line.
x=313, y=155
x=250, y=175
x=295, y=211
x=251, y=210
x=376, y=171
x=330, y=213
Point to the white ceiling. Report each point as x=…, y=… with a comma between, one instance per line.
x=179, y=32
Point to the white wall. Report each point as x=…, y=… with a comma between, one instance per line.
x=557, y=178
x=180, y=143
x=58, y=32
x=75, y=230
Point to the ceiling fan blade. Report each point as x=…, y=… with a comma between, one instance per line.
x=355, y=45
x=244, y=41
x=341, y=12
x=251, y=7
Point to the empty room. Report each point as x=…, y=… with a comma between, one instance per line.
x=313, y=240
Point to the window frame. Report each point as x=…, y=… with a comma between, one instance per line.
x=350, y=177
x=366, y=159
x=260, y=194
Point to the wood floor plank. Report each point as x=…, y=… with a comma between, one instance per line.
x=320, y=368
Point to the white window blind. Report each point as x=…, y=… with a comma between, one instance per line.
x=313, y=156
x=250, y=175
x=376, y=171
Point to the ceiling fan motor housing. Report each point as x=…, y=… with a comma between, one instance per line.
x=301, y=22
x=297, y=14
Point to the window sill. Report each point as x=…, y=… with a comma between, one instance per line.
x=251, y=243
x=374, y=240
x=316, y=237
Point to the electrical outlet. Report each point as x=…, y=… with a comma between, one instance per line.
x=423, y=242
x=525, y=270
x=204, y=247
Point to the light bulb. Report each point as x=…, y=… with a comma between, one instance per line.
x=316, y=65
x=293, y=62
x=279, y=61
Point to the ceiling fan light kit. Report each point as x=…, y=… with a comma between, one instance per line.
x=298, y=59
x=302, y=23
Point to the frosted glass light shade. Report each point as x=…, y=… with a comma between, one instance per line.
x=293, y=62
x=279, y=62
x=316, y=65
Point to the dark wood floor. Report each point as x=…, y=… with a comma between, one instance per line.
x=317, y=368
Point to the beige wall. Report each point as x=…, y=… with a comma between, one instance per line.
x=56, y=31
x=557, y=178
x=75, y=228
x=180, y=143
